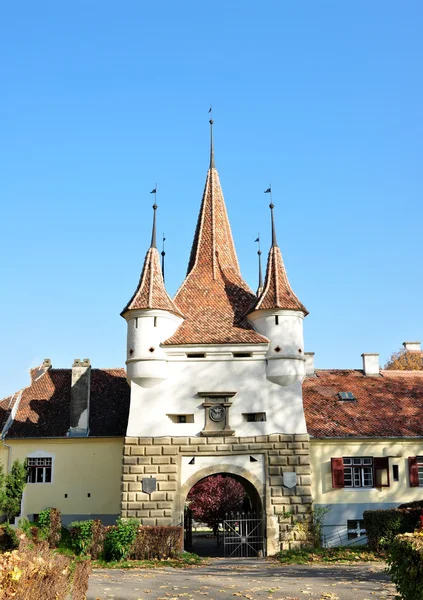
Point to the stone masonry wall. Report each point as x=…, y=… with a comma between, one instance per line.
x=161, y=458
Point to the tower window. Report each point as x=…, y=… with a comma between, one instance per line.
x=276, y=320
x=196, y=355
x=242, y=354
x=181, y=418
x=136, y=323
x=155, y=321
x=254, y=417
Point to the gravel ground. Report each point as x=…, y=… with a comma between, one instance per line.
x=226, y=579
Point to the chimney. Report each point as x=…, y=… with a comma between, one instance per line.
x=309, y=365
x=370, y=364
x=412, y=346
x=47, y=363
x=80, y=398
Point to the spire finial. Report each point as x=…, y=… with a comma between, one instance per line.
x=260, y=285
x=212, y=165
x=272, y=206
x=163, y=253
x=155, y=207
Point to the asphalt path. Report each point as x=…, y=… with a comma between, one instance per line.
x=227, y=579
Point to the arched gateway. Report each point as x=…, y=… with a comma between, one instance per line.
x=215, y=379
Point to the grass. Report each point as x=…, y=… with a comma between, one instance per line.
x=327, y=555
x=184, y=561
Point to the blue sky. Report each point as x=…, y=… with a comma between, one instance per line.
x=101, y=100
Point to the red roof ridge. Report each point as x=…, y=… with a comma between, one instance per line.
x=151, y=292
x=401, y=373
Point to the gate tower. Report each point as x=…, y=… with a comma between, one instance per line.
x=216, y=381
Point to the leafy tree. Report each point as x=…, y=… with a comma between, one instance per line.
x=12, y=489
x=405, y=361
x=211, y=498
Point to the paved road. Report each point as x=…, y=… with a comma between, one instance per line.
x=227, y=579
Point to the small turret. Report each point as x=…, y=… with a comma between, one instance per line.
x=152, y=317
x=278, y=315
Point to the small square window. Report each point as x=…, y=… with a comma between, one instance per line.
x=40, y=470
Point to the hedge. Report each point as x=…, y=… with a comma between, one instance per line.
x=383, y=525
x=87, y=537
x=35, y=571
x=50, y=523
x=405, y=565
x=157, y=542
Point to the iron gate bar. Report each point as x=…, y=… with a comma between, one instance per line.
x=243, y=534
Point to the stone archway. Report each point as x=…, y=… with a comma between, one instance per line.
x=255, y=489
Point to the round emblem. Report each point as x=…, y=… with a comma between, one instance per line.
x=217, y=413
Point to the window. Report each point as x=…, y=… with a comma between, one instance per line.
x=254, y=417
x=242, y=354
x=39, y=470
x=181, y=418
x=395, y=472
x=360, y=472
x=355, y=529
x=196, y=355
x=346, y=396
x=415, y=468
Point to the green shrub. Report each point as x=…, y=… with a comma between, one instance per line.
x=405, y=565
x=87, y=537
x=157, y=542
x=50, y=523
x=383, y=525
x=8, y=538
x=11, y=495
x=120, y=538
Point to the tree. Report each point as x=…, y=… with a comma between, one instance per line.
x=405, y=361
x=12, y=489
x=211, y=498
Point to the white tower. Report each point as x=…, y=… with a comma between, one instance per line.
x=279, y=315
x=152, y=317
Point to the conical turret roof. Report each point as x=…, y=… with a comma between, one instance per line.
x=214, y=298
x=151, y=292
x=277, y=291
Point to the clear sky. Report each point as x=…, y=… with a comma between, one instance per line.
x=100, y=100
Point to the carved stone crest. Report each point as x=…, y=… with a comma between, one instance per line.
x=149, y=485
x=217, y=413
x=290, y=479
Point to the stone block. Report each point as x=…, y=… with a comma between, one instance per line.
x=276, y=460
x=280, y=446
x=126, y=450
x=173, y=460
x=189, y=449
x=273, y=453
x=124, y=486
x=303, y=490
x=162, y=441
x=168, y=469
x=130, y=496
x=158, y=496
x=260, y=438
x=295, y=445
x=134, y=487
x=164, y=504
x=214, y=440
x=278, y=500
x=277, y=491
x=223, y=448
x=302, y=437
x=142, y=513
x=149, y=505
x=263, y=446
x=125, y=470
x=301, y=452
x=295, y=500
x=288, y=492
x=156, y=513
x=167, y=486
x=197, y=441
x=179, y=441
x=293, y=460
x=148, y=522
x=304, y=460
x=137, y=469
x=247, y=440
x=302, y=508
x=307, y=500
x=151, y=469
x=143, y=460
x=302, y=470
x=135, y=505
x=161, y=460
x=240, y=447
x=274, y=470
x=170, y=496
x=131, y=514
x=284, y=437
x=276, y=481
x=164, y=522
x=129, y=478
x=306, y=445
x=168, y=450
x=206, y=449
x=286, y=452
x=305, y=479
x=153, y=451
x=167, y=513
x=129, y=460
x=172, y=477
x=137, y=450
x=142, y=497
x=274, y=437
x=231, y=440
x=145, y=441
x=131, y=441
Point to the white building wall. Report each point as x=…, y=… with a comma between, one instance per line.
x=178, y=394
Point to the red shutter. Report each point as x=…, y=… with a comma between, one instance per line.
x=337, y=465
x=381, y=469
x=413, y=471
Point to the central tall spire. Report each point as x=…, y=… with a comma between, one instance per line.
x=214, y=298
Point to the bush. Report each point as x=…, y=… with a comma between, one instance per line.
x=50, y=523
x=157, y=542
x=383, y=525
x=120, y=538
x=87, y=537
x=8, y=538
x=405, y=565
x=37, y=572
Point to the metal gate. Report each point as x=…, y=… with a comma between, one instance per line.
x=243, y=535
x=188, y=529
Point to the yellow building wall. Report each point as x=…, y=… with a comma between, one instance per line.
x=81, y=466
x=398, y=452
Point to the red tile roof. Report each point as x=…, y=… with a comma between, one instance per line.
x=387, y=406
x=151, y=292
x=214, y=298
x=44, y=408
x=277, y=292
